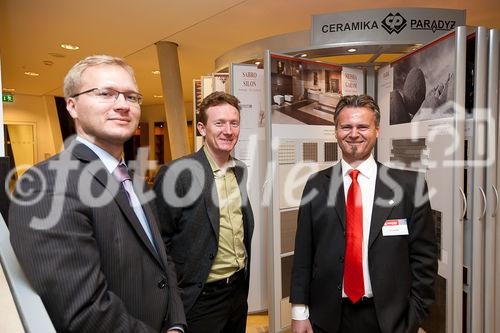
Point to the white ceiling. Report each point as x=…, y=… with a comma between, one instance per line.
x=204, y=30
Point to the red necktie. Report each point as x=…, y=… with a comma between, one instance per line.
x=353, y=267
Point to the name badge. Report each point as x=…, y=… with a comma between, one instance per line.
x=395, y=227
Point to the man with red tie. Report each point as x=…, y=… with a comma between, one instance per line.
x=365, y=250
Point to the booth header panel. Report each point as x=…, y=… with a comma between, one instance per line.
x=387, y=25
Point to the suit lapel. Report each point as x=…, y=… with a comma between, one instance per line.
x=382, y=204
x=160, y=254
x=210, y=197
x=100, y=173
x=334, y=186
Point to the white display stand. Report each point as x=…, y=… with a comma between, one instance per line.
x=247, y=84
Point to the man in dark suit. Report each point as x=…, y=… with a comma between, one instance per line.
x=89, y=246
x=207, y=222
x=365, y=250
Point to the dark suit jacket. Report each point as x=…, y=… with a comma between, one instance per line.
x=402, y=268
x=91, y=263
x=190, y=227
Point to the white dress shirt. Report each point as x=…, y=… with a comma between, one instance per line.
x=367, y=178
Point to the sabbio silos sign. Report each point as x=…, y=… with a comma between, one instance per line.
x=390, y=25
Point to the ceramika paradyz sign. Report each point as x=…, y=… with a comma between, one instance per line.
x=394, y=25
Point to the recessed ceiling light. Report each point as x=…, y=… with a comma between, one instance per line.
x=31, y=74
x=9, y=90
x=70, y=47
x=303, y=55
x=158, y=96
x=257, y=63
x=156, y=72
x=351, y=50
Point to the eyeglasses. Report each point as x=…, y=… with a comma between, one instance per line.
x=109, y=95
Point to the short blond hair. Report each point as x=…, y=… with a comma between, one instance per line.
x=73, y=79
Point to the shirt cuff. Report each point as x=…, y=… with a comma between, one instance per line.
x=177, y=327
x=300, y=312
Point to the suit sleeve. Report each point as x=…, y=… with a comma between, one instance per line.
x=175, y=314
x=63, y=261
x=423, y=258
x=303, y=253
x=167, y=216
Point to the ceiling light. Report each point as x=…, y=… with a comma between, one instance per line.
x=156, y=72
x=158, y=96
x=257, y=63
x=9, y=90
x=70, y=47
x=351, y=50
x=31, y=74
x=303, y=55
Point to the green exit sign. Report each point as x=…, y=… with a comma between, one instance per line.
x=8, y=98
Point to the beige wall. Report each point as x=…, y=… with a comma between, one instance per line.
x=155, y=113
x=40, y=111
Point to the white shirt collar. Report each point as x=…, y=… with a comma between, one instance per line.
x=106, y=158
x=367, y=168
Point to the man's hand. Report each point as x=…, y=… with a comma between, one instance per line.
x=301, y=326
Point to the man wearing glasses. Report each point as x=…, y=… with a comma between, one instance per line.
x=87, y=243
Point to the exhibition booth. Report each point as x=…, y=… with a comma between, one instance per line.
x=436, y=82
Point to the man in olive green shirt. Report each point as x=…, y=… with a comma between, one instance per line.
x=207, y=222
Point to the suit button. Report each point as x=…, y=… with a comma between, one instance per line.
x=211, y=256
x=342, y=259
x=200, y=285
x=162, y=284
x=339, y=287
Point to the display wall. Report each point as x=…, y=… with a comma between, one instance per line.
x=435, y=119
x=416, y=99
x=302, y=96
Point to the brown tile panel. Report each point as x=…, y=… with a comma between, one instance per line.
x=288, y=229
